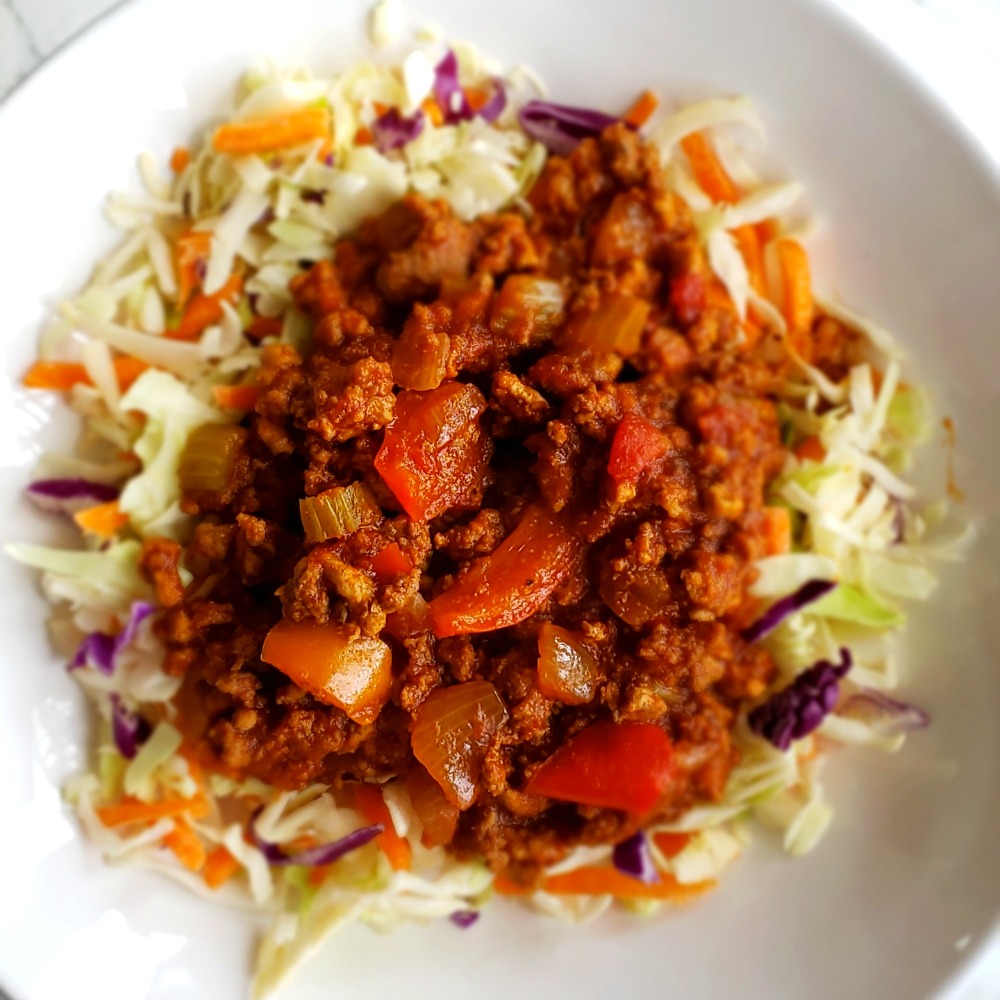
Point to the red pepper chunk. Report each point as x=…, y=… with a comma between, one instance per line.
x=687, y=298
x=510, y=584
x=636, y=446
x=624, y=765
x=435, y=453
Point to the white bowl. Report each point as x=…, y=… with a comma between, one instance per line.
x=907, y=883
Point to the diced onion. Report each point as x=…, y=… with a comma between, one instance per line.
x=567, y=670
x=451, y=730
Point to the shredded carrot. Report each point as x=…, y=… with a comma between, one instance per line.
x=317, y=876
x=812, y=448
x=607, y=881
x=192, y=249
x=432, y=109
x=179, y=159
x=63, y=375
x=476, y=97
x=55, y=375
x=325, y=151
x=131, y=810
x=748, y=240
x=265, y=135
x=777, y=531
x=637, y=115
x=265, y=326
x=708, y=170
x=363, y=137
x=103, y=520
x=369, y=802
x=220, y=867
x=128, y=370
x=766, y=230
x=671, y=844
x=236, y=397
x=380, y=108
x=598, y=881
x=797, y=304
x=204, y=310
x=187, y=845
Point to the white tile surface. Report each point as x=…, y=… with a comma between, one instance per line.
x=953, y=44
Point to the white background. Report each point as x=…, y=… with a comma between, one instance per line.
x=953, y=44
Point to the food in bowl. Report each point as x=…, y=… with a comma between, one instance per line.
x=476, y=499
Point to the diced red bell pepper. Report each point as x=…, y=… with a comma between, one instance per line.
x=435, y=454
x=635, y=448
x=624, y=765
x=391, y=561
x=687, y=298
x=512, y=583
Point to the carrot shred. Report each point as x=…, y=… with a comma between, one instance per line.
x=192, y=248
x=236, y=397
x=476, y=97
x=128, y=370
x=708, y=170
x=777, y=531
x=265, y=326
x=317, y=876
x=325, y=151
x=204, y=310
x=187, y=845
x=380, y=108
x=748, y=240
x=363, y=137
x=640, y=112
x=811, y=449
x=595, y=881
x=220, y=867
x=432, y=109
x=265, y=135
x=131, y=810
x=369, y=802
x=63, y=375
x=103, y=520
x=671, y=844
x=60, y=375
x=797, y=303
x=179, y=159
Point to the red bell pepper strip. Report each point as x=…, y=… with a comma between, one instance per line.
x=510, y=584
x=435, y=453
x=624, y=765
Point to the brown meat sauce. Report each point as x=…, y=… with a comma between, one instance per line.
x=659, y=588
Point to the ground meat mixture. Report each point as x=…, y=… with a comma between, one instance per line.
x=589, y=374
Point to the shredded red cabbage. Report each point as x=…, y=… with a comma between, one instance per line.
x=324, y=854
x=810, y=591
x=464, y=918
x=884, y=714
x=101, y=651
x=452, y=99
x=67, y=496
x=562, y=128
x=494, y=107
x=392, y=130
x=448, y=91
x=632, y=857
x=128, y=729
x=799, y=709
